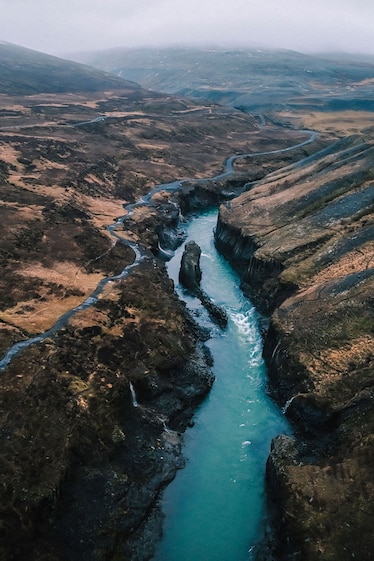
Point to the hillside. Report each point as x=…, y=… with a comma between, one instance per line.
x=259, y=81
x=303, y=239
x=26, y=72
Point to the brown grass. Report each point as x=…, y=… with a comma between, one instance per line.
x=342, y=123
x=36, y=315
x=352, y=262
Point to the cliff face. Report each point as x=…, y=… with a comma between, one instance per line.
x=304, y=241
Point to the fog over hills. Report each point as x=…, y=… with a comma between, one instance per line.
x=24, y=72
x=250, y=79
x=303, y=25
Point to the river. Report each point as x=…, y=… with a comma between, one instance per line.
x=215, y=508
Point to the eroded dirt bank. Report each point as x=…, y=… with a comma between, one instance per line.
x=304, y=241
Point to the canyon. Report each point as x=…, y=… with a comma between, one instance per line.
x=303, y=241
x=83, y=464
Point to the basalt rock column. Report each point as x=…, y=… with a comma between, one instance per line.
x=190, y=277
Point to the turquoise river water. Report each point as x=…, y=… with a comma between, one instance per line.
x=215, y=508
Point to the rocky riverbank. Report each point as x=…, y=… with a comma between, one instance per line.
x=190, y=277
x=303, y=240
x=99, y=459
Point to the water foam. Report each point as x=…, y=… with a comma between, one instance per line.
x=246, y=325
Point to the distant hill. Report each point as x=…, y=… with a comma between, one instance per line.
x=24, y=72
x=250, y=79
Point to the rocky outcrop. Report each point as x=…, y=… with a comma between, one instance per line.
x=260, y=279
x=190, y=271
x=303, y=241
x=190, y=276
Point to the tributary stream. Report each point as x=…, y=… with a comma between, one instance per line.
x=215, y=507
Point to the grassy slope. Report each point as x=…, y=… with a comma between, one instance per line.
x=24, y=72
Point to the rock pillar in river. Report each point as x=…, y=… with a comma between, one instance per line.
x=190, y=271
x=190, y=277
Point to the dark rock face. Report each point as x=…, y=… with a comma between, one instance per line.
x=190, y=277
x=260, y=279
x=125, y=517
x=190, y=272
x=304, y=249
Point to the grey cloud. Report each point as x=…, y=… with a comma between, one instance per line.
x=309, y=25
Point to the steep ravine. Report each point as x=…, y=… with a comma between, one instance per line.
x=303, y=240
x=100, y=460
x=227, y=447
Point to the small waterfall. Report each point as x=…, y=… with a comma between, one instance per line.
x=288, y=403
x=133, y=396
x=166, y=429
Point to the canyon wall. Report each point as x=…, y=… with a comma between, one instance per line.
x=303, y=240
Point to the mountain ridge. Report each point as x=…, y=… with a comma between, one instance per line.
x=254, y=80
x=25, y=72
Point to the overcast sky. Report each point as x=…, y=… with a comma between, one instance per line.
x=63, y=26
